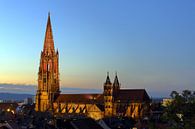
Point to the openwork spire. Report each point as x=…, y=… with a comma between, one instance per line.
x=49, y=42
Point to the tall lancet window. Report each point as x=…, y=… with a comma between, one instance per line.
x=48, y=67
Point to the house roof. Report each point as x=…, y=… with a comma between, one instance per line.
x=135, y=95
x=80, y=98
x=4, y=106
x=86, y=123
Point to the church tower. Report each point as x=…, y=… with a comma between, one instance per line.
x=116, y=90
x=108, y=98
x=116, y=86
x=48, y=75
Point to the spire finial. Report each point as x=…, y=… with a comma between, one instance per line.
x=49, y=17
x=108, y=73
x=115, y=73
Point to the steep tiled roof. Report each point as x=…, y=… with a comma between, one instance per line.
x=132, y=95
x=80, y=98
x=100, y=106
x=124, y=95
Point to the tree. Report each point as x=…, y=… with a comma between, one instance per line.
x=180, y=113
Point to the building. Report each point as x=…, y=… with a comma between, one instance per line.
x=114, y=101
x=166, y=102
x=8, y=107
x=28, y=101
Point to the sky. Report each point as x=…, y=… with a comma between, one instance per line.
x=149, y=43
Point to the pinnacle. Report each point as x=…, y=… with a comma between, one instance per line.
x=107, y=79
x=116, y=82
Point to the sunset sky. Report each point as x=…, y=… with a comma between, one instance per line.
x=151, y=44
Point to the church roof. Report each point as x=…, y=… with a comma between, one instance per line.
x=8, y=105
x=124, y=96
x=132, y=95
x=80, y=98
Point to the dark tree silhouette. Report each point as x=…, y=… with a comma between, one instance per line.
x=180, y=113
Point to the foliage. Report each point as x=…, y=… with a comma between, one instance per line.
x=180, y=113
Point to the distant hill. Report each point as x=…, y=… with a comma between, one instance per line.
x=13, y=96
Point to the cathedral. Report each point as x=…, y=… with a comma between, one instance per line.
x=114, y=101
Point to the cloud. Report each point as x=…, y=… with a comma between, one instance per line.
x=17, y=88
x=31, y=89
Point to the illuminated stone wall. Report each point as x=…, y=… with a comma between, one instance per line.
x=90, y=110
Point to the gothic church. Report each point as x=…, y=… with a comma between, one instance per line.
x=114, y=101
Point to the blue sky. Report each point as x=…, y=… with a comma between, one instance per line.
x=149, y=43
